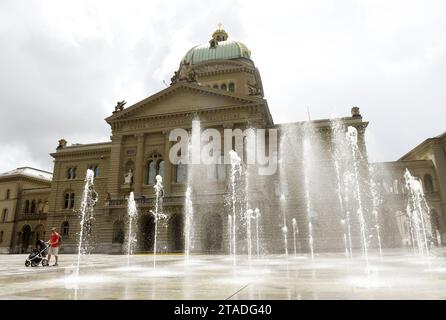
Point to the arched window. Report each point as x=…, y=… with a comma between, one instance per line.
x=33, y=206
x=232, y=87
x=160, y=168
x=118, y=232
x=65, y=228
x=40, y=206
x=224, y=87
x=180, y=173
x=150, y=172
x=4, y=215
x=155, y=166
x=8, y=194
x=69, y=200
x=27, y=206
x=428, y=183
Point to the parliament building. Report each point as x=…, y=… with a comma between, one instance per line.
x=219, y=83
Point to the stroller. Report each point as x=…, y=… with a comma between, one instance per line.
x=38, y=255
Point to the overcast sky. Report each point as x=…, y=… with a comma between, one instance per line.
x=64, y=64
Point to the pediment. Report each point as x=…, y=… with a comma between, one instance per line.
x=181, y=98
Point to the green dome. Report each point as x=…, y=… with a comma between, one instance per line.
x=227, y=49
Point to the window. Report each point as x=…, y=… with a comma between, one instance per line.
x=27, y=206
x=180, y=173
x=215, y=86
x=231, y=87
x=160, y=168
x=69, y=200
x=65, y=228
x=71, y=173
x=4, y=215
x=1, y=236
x=223, y=87
x=33, y=206
x=118, y=232
x=151, y=172
x=155, y=166
x=8, y=194
x=428, y=184
x=95, y=169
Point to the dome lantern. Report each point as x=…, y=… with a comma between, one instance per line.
x=220, y=34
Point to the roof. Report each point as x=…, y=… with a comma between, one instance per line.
x=224, y=50
x=28, y=172
x=188, y=86
x=422, y=145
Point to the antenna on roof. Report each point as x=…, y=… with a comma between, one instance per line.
x=308, y=111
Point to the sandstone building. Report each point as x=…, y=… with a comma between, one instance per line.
x=219, y=83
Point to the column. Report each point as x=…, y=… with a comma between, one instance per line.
x=167, y=164
x=139, y=165
x=114, y=174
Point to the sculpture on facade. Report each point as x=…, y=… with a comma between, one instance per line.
x=128, y=177
x=185, y=73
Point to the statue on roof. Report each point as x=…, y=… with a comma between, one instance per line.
x=185, y=73
x=120, y=106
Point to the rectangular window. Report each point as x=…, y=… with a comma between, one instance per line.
x=95, y=169
x=72, y=201
x=1, y=236
x=67, y=200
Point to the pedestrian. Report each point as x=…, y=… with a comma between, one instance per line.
x=54, y=246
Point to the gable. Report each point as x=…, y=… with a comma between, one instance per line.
x=182, y=98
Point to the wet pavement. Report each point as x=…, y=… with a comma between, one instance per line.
x=397, y=275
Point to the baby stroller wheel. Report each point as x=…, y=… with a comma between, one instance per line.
x=27, y=263
x=44, y=262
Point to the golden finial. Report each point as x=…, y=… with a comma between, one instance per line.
x=219, y=34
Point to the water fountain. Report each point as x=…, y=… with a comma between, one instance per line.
x=338, y=154
x=257, y=218
x=189, y=217
x=157, y=214
x=295, y=232
x=249, y=215
x=235, y=174
x=375, y=204
x=306, y=167
x=132, y=212
x=352, y=138
x=89, y=199
x=418, y=213
x=284, y=227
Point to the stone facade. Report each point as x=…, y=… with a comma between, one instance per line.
x=24, y=205
x=222, y=93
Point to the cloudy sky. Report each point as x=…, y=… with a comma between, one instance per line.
x=64, y=64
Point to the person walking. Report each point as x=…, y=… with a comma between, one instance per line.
x=54, y=246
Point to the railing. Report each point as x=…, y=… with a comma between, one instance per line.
x=32, y=216
x=145, y=201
